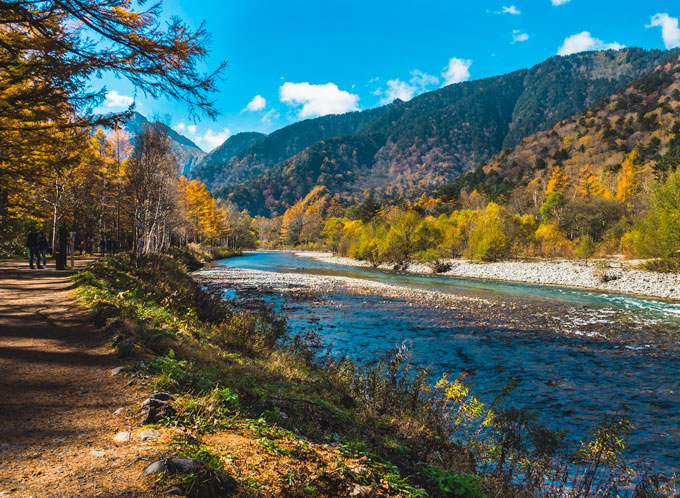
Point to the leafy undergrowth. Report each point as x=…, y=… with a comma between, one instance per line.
x=260, y=406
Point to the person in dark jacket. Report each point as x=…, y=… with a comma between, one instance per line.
x=32, y=244
x=42, y=249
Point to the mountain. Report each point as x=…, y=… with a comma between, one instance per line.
x=406, y=148
x=278, y=146
x=211, y=164
x=187, y=154
x=616, y=149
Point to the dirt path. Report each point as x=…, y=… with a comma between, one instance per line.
x=57, y=395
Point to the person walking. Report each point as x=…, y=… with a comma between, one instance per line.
x=32, y=244
x=42, y=249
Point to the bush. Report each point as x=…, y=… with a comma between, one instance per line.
x=250, y=330
x=12, y=249
x=453, y=485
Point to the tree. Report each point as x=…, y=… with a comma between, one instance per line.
x=589, y=217
x=491, y=239
x=49, y=52
x=369, y=209
x=628, y=183
x=557, y=182
x=553, y=206
x=552, y=241
x=658, y=233
x=151, y=174
x=590, y=185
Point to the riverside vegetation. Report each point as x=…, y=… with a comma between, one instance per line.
x=319, y=426
x=599, y=184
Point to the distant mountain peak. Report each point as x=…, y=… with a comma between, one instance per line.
x=186, y=152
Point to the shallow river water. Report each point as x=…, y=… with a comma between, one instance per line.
x=577, y=354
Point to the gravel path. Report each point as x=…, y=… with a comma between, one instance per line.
x=58, y=395
x=614, y=278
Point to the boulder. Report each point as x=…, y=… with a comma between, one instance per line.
x=149, y=435
x=174, y=466
x=156, y=407
x=122, y=437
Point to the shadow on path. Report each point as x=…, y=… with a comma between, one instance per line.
x=57, y=396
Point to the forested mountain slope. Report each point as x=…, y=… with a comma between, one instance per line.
x=234, y=145
x=617, y=149
x=407, y=148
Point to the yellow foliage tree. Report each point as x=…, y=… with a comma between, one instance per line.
x=628, y=182
x=590, y=185
x=557, y=183
x=207, y=221
x=552, y=241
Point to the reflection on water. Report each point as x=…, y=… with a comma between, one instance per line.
x=572, y=380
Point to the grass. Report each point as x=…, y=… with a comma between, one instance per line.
x=288, y=422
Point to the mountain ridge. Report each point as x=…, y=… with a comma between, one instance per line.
x=425, y=142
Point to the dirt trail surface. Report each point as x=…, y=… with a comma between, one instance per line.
x=58, y=396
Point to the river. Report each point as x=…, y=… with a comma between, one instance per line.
x=577, y=354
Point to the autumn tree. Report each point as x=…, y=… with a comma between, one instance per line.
x=628, y=179
x=557, y=183
x=49, y=52
x=589, y=185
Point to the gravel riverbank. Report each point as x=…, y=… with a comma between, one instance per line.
x=615, y=277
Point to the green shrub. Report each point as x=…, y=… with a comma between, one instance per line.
x=452, y=485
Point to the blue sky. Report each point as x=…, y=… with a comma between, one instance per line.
x=297, y=59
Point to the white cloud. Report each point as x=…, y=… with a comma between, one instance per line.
x=510, y=10
x=397, y=89
x=183, y=128
x=211, y=139
x=208, y=139
x=422, y=80
x=456, y=71
x=115, y=100
x=559, y=2
x=518, y=36
x=318, y=100
x=583, y=42
x=270, y=116
x=257, y=104
x=669, y=29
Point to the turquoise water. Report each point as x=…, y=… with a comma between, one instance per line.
x=572, y=377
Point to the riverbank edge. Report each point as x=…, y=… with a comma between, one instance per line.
x=167, y=345
x=607, y=276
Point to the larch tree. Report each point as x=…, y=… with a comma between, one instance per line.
x=628, y=182
x=557, y=183
x=50, y=51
